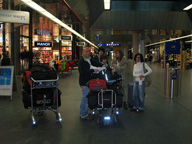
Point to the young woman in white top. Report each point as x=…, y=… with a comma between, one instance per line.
x=139, y=82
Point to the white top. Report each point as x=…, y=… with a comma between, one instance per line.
x=138, y=70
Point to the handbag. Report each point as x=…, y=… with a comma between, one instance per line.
x=148, y=80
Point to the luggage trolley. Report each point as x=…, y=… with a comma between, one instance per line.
x=44, y=103
x=107, y=104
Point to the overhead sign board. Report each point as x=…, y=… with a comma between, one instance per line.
x=67, y=37
x=12, y=16
x=43, y=44
x=80, y=43
x=172, y=47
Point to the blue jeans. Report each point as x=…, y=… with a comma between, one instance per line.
x=138, y=95
x=84, y=103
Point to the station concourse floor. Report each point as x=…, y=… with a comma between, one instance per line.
x=165, y=121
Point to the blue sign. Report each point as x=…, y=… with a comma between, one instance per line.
x=97, y=38
x=173, y=76
x=109, y=44
x=5, y=76
x=172, y=47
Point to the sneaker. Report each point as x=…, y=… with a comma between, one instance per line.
x=89, y=117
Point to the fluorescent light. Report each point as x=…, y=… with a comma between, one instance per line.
x=44, y=12
x=188, y=7
x=173, y=39
x=107, y=4
x=188, y=41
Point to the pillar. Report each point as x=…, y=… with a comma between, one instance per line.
x=135, y=43
x=17, y=50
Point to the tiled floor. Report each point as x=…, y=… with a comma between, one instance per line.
x=164, y=121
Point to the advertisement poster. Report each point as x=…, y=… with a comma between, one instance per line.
x=6, y=80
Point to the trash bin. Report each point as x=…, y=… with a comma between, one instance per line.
x=173, y=83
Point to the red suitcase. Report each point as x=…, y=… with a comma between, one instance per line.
x=97, y=85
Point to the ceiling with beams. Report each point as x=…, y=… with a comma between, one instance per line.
x=150, y=17
x=126, y=16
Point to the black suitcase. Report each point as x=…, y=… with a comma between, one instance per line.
x=92, y=98
x=38, y=98
x=130, y=95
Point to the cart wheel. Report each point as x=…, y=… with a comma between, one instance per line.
x=115, y=119
x=58, y=117
x=99, y=120
x=33, y=120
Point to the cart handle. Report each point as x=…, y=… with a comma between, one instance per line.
x=45, y=80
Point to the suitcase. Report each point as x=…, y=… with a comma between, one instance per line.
x=92, y=98
x=38, y=98
x=130, y=95
x=97, y=85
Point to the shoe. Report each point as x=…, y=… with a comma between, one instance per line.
x=125, y=106
x=89, y=117
x=132, y=109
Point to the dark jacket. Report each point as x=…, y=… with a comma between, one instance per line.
x=84, y=70
x=96, y=57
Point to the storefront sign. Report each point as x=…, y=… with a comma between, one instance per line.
x=6, y=80
x=172, y=47
x=12, y=16
x=42, y=32
x=80, y=43
x=66, y=37
x=43, y=44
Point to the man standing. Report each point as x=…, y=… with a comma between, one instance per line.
x=85, y=63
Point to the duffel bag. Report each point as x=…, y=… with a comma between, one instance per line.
x=46, y=75
x=97, y=85
x=92, y=98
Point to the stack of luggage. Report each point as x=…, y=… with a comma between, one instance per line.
x=39, y=72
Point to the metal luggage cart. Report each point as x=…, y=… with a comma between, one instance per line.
x=42, y=84
x=107, y=112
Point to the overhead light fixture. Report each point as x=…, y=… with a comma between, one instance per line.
x=107, y=4
x=44, y=12
x=173, y=39
x=188, y=41
x=188, y=7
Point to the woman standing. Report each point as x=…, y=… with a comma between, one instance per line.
x=119, y=64
x=139, y=82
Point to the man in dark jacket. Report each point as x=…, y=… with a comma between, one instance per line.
x=85, y=72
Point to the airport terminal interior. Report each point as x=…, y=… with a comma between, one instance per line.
x=55, y=33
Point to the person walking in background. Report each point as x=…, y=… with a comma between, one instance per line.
x=85, y=71
x=119, y=64
x=139, y=82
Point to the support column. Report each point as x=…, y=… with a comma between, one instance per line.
x=30, y=39
x=17, y=50
x=135, y=43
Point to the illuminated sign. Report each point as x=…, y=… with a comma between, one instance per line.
x=66, y=37
x=43, y=44
x=42, y=32
x=80, y=43
x=109, y=44
x=13, y=16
